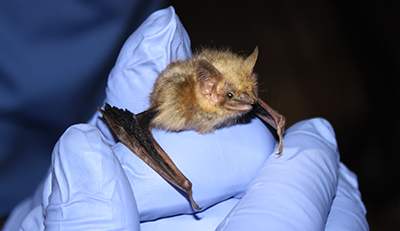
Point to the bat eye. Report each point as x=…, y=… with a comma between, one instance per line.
x=230, y=95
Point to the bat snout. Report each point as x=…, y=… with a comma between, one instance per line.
x=243, y=103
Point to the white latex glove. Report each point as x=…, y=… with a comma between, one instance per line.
x=97, y=184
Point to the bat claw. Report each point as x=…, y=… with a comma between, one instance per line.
x=194, y=204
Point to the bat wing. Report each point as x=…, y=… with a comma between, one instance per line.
x=272, y=117
x=135, y=133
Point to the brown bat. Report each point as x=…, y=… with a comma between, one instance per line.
x=211, y=90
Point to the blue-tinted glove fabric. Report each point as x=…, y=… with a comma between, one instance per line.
x=96, y=183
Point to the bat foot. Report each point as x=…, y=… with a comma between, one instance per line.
x=280, y=148
x=279, y=131
x=194, y=204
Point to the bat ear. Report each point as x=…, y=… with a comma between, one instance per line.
x=208, y=77
x=250, y=61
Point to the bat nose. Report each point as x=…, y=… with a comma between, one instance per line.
x=246, y=98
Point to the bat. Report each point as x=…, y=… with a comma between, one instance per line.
x=213, y=89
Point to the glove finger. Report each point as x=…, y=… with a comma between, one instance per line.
x=348, y=211
x=220, y=166
x=160, y=40
x=293, y=191
x=89, y=190
x=206, y=220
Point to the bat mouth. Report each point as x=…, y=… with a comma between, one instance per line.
x=239, y=106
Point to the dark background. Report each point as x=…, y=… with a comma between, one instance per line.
x=333, y=59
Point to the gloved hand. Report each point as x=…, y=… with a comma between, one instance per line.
x=97, y=184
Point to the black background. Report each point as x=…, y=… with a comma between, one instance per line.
x=339, y=60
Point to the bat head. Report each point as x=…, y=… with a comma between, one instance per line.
x=227, y=81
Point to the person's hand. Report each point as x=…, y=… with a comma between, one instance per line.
x=97, y=184
x=220, y=165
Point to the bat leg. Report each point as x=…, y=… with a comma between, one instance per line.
x=273, y=118
x=134, y=132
